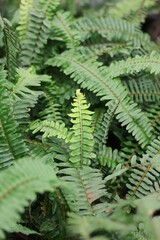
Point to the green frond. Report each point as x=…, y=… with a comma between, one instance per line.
x=36, y=28
x=11, y=47
x=88, y=187
x=50, y=129
x=153, y=113
x=81, y=143
x=113, y=29
x=25, y=81
x=48, y=7
x=22, y=181
x=101, y=135
x=61, y=27
x=25, y=8
x=97, y=79
x=109, y=158
x=133, y=11
x=149, y=63
x=12, y=145
x=144, y=178
x=99, y=227
x=143, y=89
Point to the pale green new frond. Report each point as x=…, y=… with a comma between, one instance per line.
x=61, y=27
x=81, y=144
x=96, y=79
x=21, y=183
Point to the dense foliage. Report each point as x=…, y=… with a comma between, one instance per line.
x=79, y=121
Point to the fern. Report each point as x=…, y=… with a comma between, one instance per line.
x=93, y=77
x=22, y=181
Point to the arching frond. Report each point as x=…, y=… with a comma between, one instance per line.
x=96, y=79
x=22, y=181
x=111, y=29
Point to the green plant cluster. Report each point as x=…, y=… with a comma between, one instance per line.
x=79, y=121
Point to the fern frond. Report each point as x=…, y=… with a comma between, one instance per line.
x=50, y=129
x=48, y=7
x=96, y=79
x=111, y=29
x=25, y=7
x=11, y=47
x=109, y=158
x=143, y=89
x=149, y=63
x=88, y=188
x=22, y=181
x=134, y=11
x=145, y=178
x=81, y=144
x=37, y=32
x=61, y=27
x=101, y=135
x=12, y=144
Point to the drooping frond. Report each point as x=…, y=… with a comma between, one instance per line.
x=22, y=181
x=61, y=27
x=145, y=178
x=96, y=79
x=81, y=144
x=11, y=47
x=111, y=29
